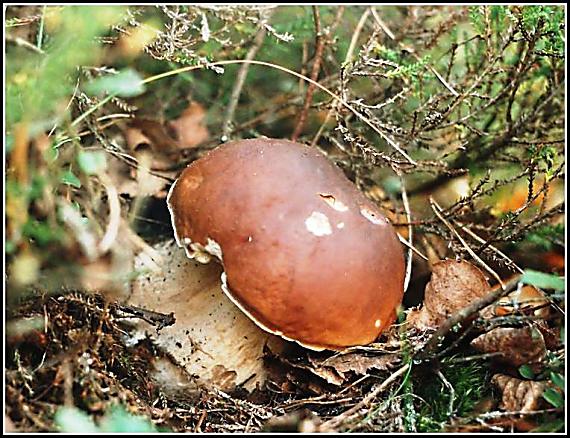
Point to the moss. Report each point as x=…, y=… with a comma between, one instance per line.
x=470, y=385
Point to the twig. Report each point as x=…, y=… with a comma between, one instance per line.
x=352, y=412
x=160, y=320
x=198, y=427
x=437, y=210
x=23, y=43
x=451, y=392
x=481, y=240
x=388, y=32
x=475, y=357
x=319, y=47
x=41, y=29
x=347, y=59
x=388, y=139
x=463, y=314
x=414, y=249
x=498, y=414
x=240, y=80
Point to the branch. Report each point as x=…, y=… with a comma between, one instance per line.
x=319, y=47
x=240, y=80
x=463, y=314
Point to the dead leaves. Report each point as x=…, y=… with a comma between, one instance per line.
x=158, y=148
x=526, y=299
x=168, y=138
x=453, y=286
x=518, y=346
x=520, y=395
x=346, y=365
x=190, y=129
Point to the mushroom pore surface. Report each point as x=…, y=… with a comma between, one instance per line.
x=305, y=254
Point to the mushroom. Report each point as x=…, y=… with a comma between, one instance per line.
x=305, y=254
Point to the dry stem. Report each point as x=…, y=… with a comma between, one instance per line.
x=319, y=47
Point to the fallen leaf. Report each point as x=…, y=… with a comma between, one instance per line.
x=520, y=346
x=523, y=299
x=185, y=132
x=345, y=364
x=190, y=128
x=157, y=146
x=453, y=286
x=211, y=338
x=139, y=181
x=153, y=133
x=520, y=395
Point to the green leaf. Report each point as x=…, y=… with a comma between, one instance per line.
x=543, y=280
x=72, y=420
x=553, y=397
x=557, y=379
x=526, y=371
x=127, y=83
x=69, y=178
x=92, y=162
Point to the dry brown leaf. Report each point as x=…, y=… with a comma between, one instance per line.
x=357, y=363
x=155, y=134
x=524, y=299
x=211, y=338
x=519, y=395
x=524, y=345
x=157, y=147
x=138, y=182
x=339, y=368
x=167, y=138
x=453, y=286
x=190, y=128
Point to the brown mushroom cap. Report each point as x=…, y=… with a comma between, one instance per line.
x=306, y=256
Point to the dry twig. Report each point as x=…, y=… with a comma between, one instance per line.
x=319, y=47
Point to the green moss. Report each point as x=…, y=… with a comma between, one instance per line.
x=470, y=384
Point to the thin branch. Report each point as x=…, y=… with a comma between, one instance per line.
x=23, y=43
x=319, y=47
x=347, y=59
x=481, y=240
x=437, y=210
x=462, y=315
x=240, y=80
x=413, y=248
x=352, y=412
x=390, y=34
x=169, y=73
x=410, y=230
